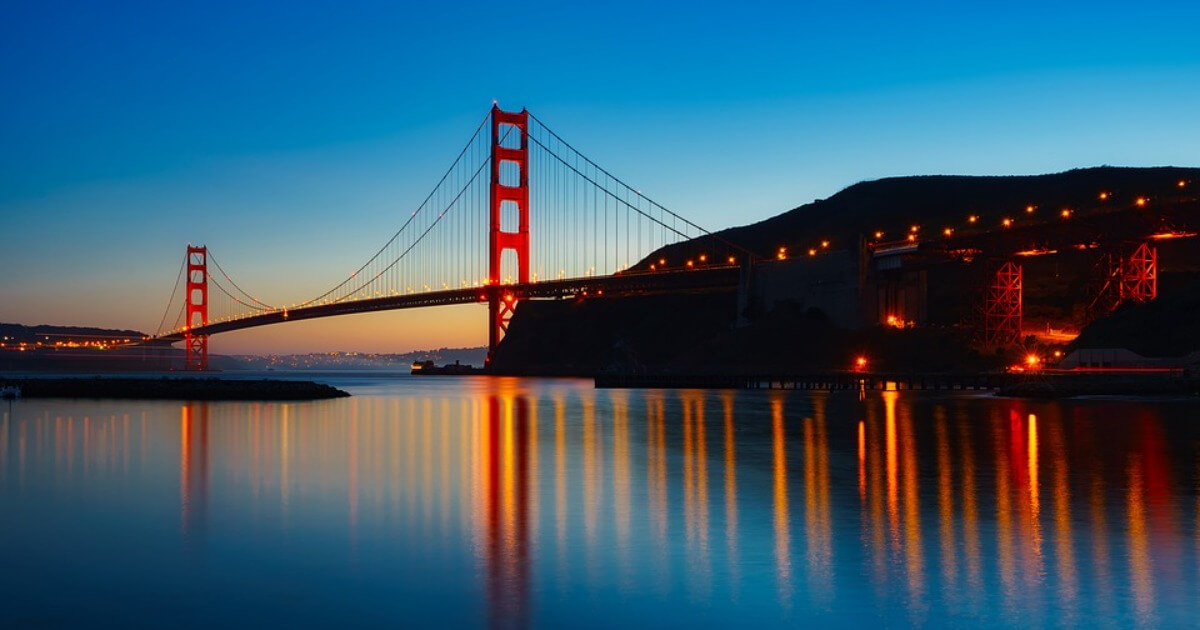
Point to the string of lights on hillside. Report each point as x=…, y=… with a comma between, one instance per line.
x=974, y=223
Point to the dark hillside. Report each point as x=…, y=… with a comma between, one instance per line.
x=695, y=333
x=1166, y=327
x=934, y=202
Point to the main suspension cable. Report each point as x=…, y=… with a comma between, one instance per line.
x=175, y=290
x=235, y=286
x=439, y=218
x=421, y=207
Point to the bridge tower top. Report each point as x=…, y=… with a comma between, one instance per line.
x=196, y=301
x=509, y=193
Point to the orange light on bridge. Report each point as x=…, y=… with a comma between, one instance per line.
x=703, y=257
x=1141, y=202
x=972, y=219
x=860, y=363
x=1066, y=213
x=914, y=229
x=812, y=252
x=1032, y=361
x=824, y=244
x=1182, y=183
x=732, y=260
x=662, y=261
x=894, y=322
x=782, y=253
x=948, y=231
x=1103, y=196
x=653, y=267
x=1007, y=222
x=1030, y=209
x=878, y=234
x=508, y=297
x=690, y=264
x=912, y=238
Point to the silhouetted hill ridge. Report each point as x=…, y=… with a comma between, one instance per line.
x=893, y=204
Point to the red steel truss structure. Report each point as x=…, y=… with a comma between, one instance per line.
x=1002, y=306
x=1139, y=274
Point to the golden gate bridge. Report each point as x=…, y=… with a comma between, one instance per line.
x=521, y=214
x=471, y=241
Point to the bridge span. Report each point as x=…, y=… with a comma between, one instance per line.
x=521, y=214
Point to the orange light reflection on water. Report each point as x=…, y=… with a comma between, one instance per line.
x=472, y=471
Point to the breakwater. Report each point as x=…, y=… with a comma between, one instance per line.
x=167, y=388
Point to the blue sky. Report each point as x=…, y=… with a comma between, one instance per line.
x=289, y=137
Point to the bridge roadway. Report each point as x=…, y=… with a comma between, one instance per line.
x=1051, y=233
x=715, y=278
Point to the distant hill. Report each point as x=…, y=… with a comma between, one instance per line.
x=44, y=332
x=361, y=360
x=933, y=202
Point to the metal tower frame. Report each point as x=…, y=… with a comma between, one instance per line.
x=1139, y=274
x=196, y=304
x=502, y=304
x=1002, y=306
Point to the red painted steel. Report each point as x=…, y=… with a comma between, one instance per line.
x=502, y=303
x=196, y=303
x=1139, y=274
x=1002, y=307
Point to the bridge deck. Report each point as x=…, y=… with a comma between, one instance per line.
x=708, y=279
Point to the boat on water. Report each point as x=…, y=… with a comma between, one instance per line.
x=427, y=368
x=10, y=392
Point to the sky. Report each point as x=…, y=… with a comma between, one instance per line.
x=293, y=138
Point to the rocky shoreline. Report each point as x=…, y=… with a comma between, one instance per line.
x=167, y=388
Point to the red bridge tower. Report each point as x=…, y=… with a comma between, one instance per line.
x=508, y=195
x=196, y=304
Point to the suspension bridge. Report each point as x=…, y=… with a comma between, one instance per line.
x=520, y=214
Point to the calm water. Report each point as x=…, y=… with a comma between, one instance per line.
x=461, y=501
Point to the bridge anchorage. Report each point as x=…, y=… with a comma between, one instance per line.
x=519, y=215
x=1019, y=270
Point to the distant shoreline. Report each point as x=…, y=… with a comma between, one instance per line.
x=168, y=388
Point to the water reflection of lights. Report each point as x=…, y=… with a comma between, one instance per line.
x=1019, y=506
x=731, y=506
x=783, y=562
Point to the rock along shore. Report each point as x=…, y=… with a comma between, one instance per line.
x=167, y=388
